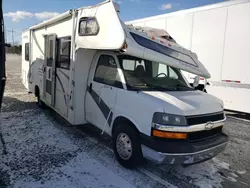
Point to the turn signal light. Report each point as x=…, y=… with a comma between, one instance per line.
x=171, y=135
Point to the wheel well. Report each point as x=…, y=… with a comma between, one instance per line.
x=37, y=91
x=119, y=120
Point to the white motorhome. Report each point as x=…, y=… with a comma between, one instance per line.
x=89, y=67
x=219, y=34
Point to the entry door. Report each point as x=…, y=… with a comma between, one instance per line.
x=102, y=90
x=49, y=69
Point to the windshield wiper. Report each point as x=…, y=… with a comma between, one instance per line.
x=178, y=86
x=149, y=86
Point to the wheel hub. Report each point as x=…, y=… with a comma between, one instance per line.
x=124, y=146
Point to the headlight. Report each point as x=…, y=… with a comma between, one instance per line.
x=168, y=119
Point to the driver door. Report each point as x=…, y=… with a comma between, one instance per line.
x=103, y=85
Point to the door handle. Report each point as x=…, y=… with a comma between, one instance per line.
x=50, y=74
x=90, y=87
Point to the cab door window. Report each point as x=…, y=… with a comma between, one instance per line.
x=172, y=73
x=106, y=71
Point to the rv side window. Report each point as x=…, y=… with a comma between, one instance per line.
x=63, y=53
x=88, y=26
x=106, y=71
x=27, y=51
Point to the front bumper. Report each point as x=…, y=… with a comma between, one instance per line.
x=183, y=152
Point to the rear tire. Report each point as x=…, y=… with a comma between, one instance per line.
x=39, y=102
x=127, y=146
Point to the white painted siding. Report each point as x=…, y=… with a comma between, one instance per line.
x=180, y=28
x=208, y=39
x=157, y=23
x=236, y=64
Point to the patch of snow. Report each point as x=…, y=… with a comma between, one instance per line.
x=233, y=174
x=172, y=161
x=221, y=164
x=204, y=175
x=243, y=183
x=41, y=155
x=81, y=171
x=231, y=179
x=156, y=178
x=7, y=93
x=241, y=172
x=189, y=159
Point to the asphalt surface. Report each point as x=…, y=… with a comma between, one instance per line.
x=40, y=149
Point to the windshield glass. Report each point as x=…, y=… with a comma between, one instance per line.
x=141, y=74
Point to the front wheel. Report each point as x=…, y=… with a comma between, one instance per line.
x=126, y=145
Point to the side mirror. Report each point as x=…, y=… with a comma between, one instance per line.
x=196, y=81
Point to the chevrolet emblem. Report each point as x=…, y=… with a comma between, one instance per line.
x=209, y=125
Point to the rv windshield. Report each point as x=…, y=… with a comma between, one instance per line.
x=141, y=74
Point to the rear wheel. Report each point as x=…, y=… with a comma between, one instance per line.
x=39, y=102
x=126, y=145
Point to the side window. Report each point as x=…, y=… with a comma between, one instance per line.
x=63, y=53
x=128, y=64
x=162, y=69
x=172, y=73
x=88, y=26
x=27, y=51
x=106, y=71
x=131, y=65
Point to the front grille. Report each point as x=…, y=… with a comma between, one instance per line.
x=194, y=136
x=194, y=120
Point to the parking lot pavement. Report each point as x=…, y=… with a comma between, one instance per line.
x=39, y=149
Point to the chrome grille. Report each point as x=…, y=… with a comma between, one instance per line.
x=200, y=119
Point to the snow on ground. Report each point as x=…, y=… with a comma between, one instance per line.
x=41, y=150
x=40, y=155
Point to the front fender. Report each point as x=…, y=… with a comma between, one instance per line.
x=121, y=115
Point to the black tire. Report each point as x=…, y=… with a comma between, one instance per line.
x=136, y=157
x=39, y=102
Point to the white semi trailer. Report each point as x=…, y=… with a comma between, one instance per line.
x=220, y=35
